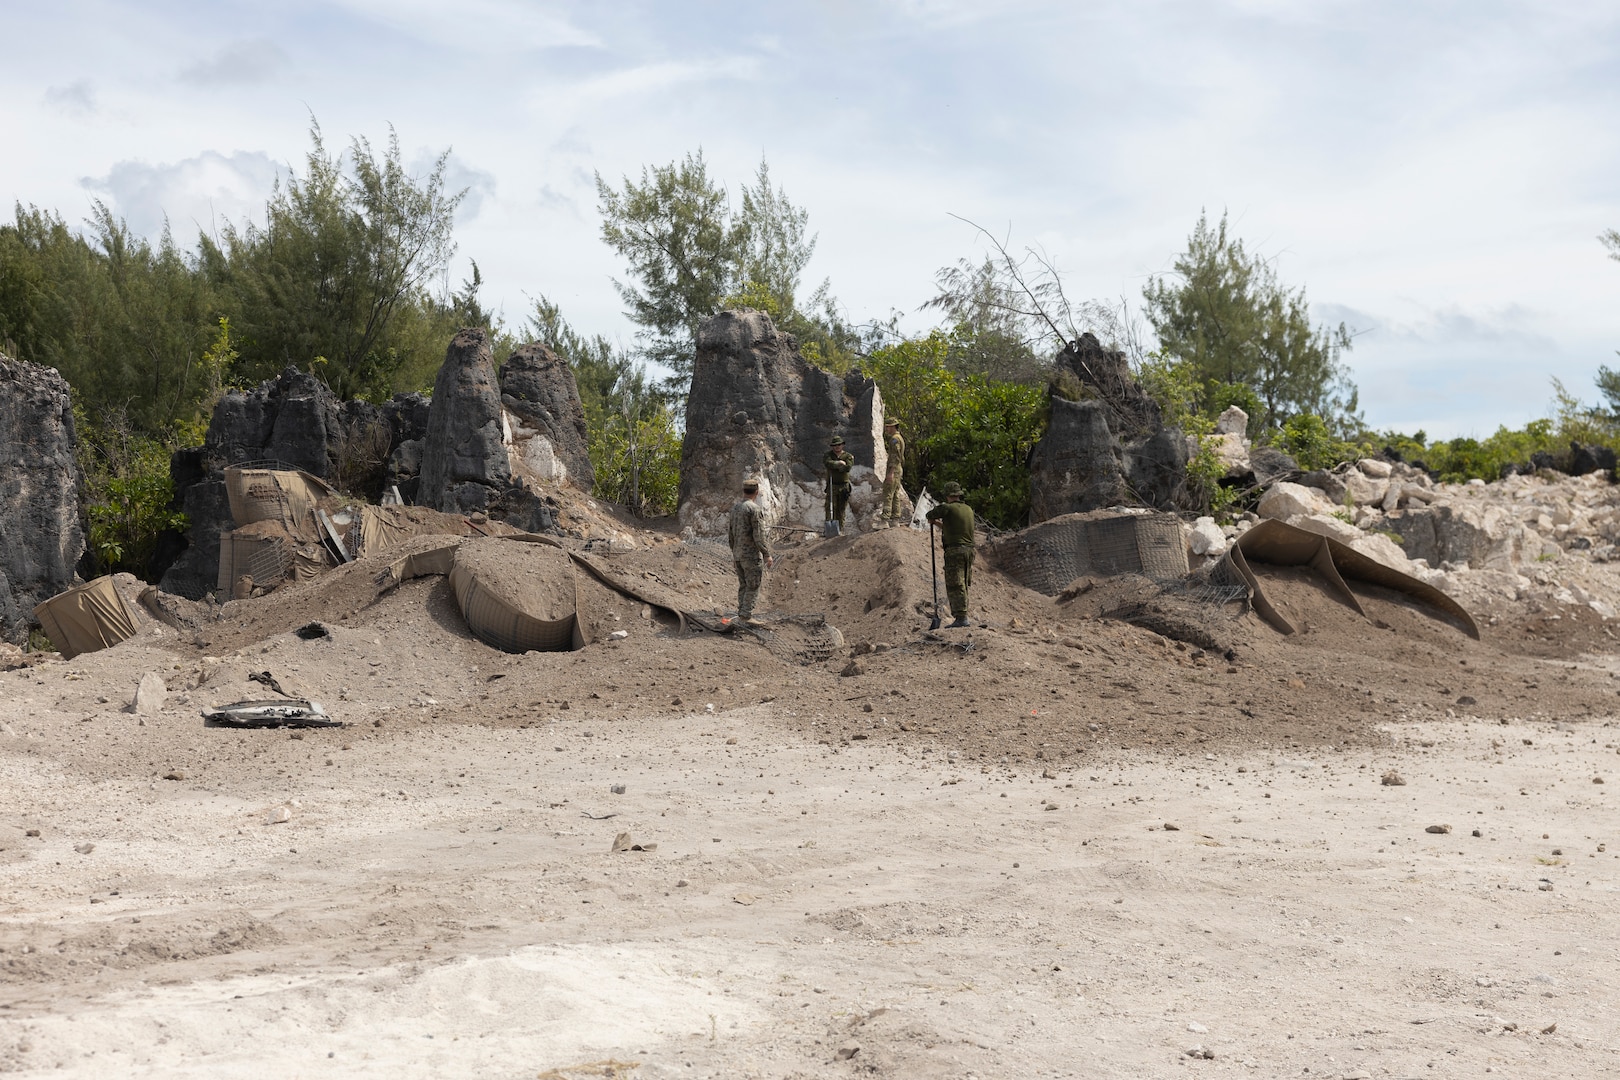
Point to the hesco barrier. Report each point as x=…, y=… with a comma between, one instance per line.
x=288, y=496
x=1102, y=543
x=517, y=596
x=86, y=618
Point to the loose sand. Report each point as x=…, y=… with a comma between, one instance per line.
x=952, y=862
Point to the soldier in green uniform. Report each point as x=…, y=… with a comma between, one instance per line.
x=838, y=463
x=954, y=519
x=750, y=549
x=895, y=444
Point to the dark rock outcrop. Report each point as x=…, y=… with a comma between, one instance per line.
x=293, y=419
x=464, y=457
x=42, y=533
x=759, y=410
x=1106, y=375
x=1074, y=464
x=542, y=397
x=1108, y=448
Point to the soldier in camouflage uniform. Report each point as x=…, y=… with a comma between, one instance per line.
x=750, y=549
x=895, y=444
x=838, y=463
x=954, y=519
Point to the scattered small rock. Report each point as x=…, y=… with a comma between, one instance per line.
x=1202, y=1052
x=1438, y=829
x=1197, y=1029
x=1549, y=1029
x=847, y=1051
x=1169, y=827
x=149, y=695
x=84, y=849
x=175, y=774
x=31, y=832
x=851, y=669
x=1466, y=700
x=1391, y=778
x=618, y=635
x=278, y=815
x=1476, y=832
x=617, y=789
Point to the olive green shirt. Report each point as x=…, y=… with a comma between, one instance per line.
x=955, y=523
x=896, y=447
x=838, y=464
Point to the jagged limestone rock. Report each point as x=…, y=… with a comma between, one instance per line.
x=464, y=456
x=546, y=416
x=758, y=409
x=42, y=533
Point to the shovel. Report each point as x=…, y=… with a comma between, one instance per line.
x=933, y=565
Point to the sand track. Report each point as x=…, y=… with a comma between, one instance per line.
x=971, y=878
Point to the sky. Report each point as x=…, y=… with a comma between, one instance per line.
x=1435, y=174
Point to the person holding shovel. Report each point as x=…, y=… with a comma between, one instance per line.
x=954, y=520
x=838, y=464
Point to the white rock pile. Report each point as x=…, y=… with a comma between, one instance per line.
x=1526, y=544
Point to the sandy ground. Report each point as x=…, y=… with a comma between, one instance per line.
x=1059, y=845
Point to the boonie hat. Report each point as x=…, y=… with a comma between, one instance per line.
x=953, y=488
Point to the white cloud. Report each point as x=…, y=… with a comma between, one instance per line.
x=479, y=26
x=201, y=192
x=239, y=63
x=76, y=98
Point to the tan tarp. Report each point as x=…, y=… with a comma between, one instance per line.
x=517, y=596
x=1284, y=545
x=435, y=560
x=382, y=528
x=86, y=618
x=289, y=497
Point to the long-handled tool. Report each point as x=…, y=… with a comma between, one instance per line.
x=933, y=564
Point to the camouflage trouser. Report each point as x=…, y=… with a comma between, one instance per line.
x=840, y=503
x=892, y=497
x=750, y=572
x=958, y=576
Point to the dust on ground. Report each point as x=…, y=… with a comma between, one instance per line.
x=1086, y=836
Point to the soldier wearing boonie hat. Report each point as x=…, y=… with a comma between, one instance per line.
x=895, y=444
x=838, y=462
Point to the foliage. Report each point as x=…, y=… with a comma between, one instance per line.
x=1467, y=458
x=689, y=256
x=976, y=431
x=673, y=229
x=636, y=451
x=1175, y=388
x=633, y=434
x=345, y=250
x=127, y=491
x=1012, y=316
x=122, y=320
x=1224, y=313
